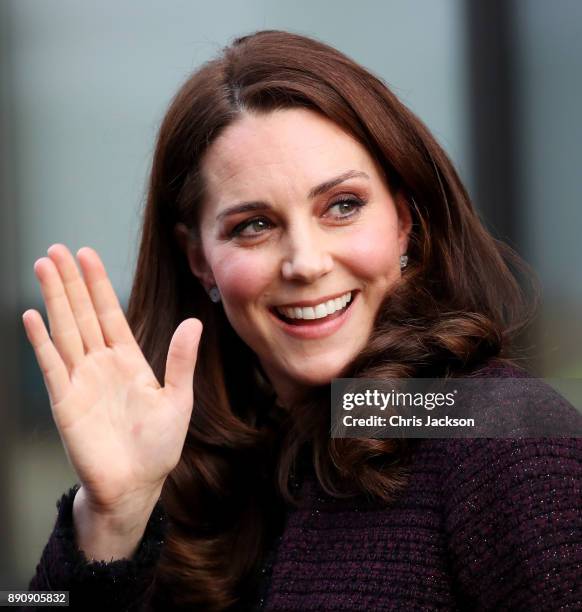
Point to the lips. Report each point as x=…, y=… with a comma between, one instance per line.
x=319, y=310
x=305, y=303
x=316, y=328
x=319, y=320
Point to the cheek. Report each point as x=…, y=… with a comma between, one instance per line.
x=374, y=250
x=242, y=276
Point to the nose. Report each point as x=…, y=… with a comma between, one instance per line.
x=308, y=257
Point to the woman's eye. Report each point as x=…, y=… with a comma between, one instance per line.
x=258, y=224
x=347, y=207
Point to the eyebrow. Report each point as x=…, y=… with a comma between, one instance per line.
x=313, y=193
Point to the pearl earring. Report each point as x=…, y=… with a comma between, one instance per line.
x=214, y=294
x=403, y=261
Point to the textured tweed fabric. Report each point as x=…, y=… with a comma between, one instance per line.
x=483, y=524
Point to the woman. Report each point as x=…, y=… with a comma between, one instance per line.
x=316, y=229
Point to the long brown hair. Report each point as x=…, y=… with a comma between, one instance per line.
x=458, y=305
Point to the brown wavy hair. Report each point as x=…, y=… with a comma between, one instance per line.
x=459, y=304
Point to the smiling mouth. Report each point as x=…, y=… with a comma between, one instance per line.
x=313, y=318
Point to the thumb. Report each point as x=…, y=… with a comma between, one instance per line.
x=182, y=356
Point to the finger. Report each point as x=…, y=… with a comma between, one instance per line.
x=181, y=360
x=114, y=325
x=54, y=370
x=64, y=331
x=78, y=296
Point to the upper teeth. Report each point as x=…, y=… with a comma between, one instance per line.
x=316, y=312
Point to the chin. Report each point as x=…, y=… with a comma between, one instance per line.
x=315, y=374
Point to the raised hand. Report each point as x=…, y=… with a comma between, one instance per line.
x=123, y=432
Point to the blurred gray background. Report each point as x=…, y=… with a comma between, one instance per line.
x=83, y=88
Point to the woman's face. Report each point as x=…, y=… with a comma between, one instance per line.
x=298, y=217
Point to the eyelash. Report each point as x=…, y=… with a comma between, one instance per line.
x=357, y=202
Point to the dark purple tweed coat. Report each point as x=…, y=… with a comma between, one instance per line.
x=483, y=524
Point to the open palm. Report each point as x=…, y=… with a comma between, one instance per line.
x=122, y=431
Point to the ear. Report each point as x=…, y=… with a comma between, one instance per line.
x=404, y=221
x=192, y=249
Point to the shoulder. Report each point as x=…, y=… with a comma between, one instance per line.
x=515, y=398
x=513, y=520
x=483, y=468
x=480, y=469
x=508, y=401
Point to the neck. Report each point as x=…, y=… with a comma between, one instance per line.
x=286, y=393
